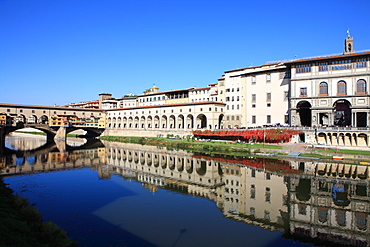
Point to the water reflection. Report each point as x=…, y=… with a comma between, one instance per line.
x=321, y=203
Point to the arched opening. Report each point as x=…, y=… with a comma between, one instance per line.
x=149, y=122
x=172, y=122
x=302, y=137
x=156, y=122
x=220, y=121
x=201, y=168
x=323, y=88
x=304, y=111
x=190, y=121
x=201, y=121
x=43, y=120
x=164, y=122
x=342, y=113
x=142, y=121
x=20, y=119
x=32, y=119
x=136, y=121
x=304, y=189
x=180, y=121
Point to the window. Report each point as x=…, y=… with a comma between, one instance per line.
x=303, y=92
x=267, y=195
x=268, y=119
x=232, y=118
x=323, y=66
x=361, y=63
x=268, y=78
x=341, y=64
x=267, y=215
x=302, y=209
x=253, y=98
x=323, y=88
x=237, y=118
x=253, y=174
x=342, y=88
x=340, y=216
x=227, y=118
x=268, y=97
x=361, y=87
x=253, y=80
x=361, y=221
x=253, y=191
x=303, y=68
x=253, y=119
x=252, y=211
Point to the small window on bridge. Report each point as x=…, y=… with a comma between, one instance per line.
x=8, y=110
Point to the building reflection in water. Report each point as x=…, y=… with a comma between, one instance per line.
x=321, y=203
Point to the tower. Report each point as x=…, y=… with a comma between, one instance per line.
x=348, y=44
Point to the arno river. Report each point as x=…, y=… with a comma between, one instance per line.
x=115, y=194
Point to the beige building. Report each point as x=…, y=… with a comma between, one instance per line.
x=255, y=96
x=182, y=117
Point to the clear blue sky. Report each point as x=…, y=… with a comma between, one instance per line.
x=63, y=51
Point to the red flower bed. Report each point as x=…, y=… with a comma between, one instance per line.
x=260, y=135
x=271, y=165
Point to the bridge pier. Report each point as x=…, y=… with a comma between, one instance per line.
x=61, y=134
x=2, y=138
x=61, y=145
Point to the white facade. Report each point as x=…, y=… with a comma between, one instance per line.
x=331, y=91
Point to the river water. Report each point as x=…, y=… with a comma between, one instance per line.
x=115, y=194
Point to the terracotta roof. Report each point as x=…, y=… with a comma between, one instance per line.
x=48, y=107
x=168, y=105
x=328, y=57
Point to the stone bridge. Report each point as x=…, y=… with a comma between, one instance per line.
x=17, y=117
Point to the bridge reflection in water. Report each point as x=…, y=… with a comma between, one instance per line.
x=321, y=203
